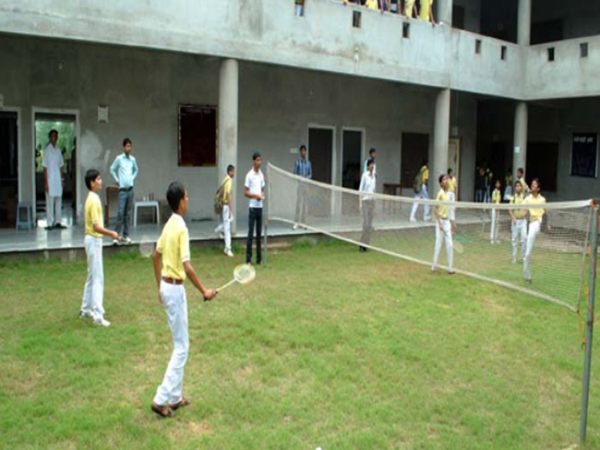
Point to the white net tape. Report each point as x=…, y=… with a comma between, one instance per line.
x=555, y=271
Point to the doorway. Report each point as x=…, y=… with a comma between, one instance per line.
x=415, y=151
x=9, y=168
x=352, y=152
x=320, y=150
x=66, y=125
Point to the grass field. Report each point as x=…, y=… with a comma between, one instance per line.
x=328, y=347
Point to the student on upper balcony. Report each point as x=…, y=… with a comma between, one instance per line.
x=426, y=13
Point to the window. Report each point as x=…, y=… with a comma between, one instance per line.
x=503, y=50
x=356, y=19
x=406, y=30
x=478, y=46
x=584, y=155
x=197, y=136
x=542, y=163
x=551, y=54
x=583, y=49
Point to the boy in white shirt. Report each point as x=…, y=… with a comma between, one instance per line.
x=54, y=164
x=254, y=189
x=367, y=203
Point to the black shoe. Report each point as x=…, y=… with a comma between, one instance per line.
x=60, y=226
x=49, y=227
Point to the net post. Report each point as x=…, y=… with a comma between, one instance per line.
x=266, y=224
x=590, y=321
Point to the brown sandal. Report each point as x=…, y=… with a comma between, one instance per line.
x=180, y=404
x=162, y=410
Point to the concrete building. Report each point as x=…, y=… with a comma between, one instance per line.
x=505, y=84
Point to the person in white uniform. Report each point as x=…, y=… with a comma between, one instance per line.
x=367, y=203
x=53, y=182
x=535, y=224
x=519, y=223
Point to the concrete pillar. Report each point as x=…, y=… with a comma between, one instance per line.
x=228, y=125
x=524, y=22
x=520, y=140
x=441, y=134
x=444, y=12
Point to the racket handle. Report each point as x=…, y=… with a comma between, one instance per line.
x=225, y=286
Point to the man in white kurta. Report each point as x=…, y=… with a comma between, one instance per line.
x=53, y=175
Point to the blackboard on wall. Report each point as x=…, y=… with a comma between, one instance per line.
x=584, y=155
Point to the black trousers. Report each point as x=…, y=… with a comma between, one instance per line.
x=254, y=219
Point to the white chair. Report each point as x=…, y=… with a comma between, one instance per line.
x=146, y=204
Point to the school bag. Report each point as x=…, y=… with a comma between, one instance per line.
x=417, y=184
x=219, y=199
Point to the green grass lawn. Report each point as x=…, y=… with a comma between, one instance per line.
x=328, y=347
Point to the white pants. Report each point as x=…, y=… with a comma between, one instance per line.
x=519, y=233
x=420, y=196
x=495, y=226
x=534, y=229
x=53, y=210
x=451, y=209
x=445, y=234
x=227, y=219
x=93, y=294
x=175, y=302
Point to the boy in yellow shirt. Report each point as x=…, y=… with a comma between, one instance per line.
x=452, y=195
x=173, y=248
x=519, y=222
x=443, y=230
x=93, y=294
x=224, y=228
x=496, y=198
x=535, y=223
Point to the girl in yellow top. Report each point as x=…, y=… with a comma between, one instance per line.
x=519, y=222
x=443, y=229
x=535, y=222
x=496, y=198
x=426, y=14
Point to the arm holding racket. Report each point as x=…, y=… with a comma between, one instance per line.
x=208, y=294
x=242, y=274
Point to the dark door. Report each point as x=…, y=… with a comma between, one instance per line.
x=9, y=167
x=320, y=151
x=542, y=163
x=415, y=152
x=351, y=168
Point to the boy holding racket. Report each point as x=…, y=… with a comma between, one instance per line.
x=173, y=248
x=535, y=224
x=443, y=228
x=519, y=222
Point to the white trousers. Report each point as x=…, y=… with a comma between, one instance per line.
x=175, y=302
x=445, y=234
x=53, y=210
x=451, y=210
x=534, y=229
x=227, y=219
x=519, y=233
x=93, y=293
x=420, y=196
x=495, y=226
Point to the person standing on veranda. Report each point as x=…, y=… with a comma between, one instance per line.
x=302, y=168
x=420, y=188
x=124, y=170
x=53, y=182
x=366, y=204
x=452, y=196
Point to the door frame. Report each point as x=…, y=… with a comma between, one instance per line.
x=20, y=166
x=333, y=142
x=363, y=145
x=67, y=112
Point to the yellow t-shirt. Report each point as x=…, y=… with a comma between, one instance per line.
x=174, y=246
x=518, y=200
x=442, y=210
x=426, y=10
x=451, y=184
x=371, y=4
x=526, y=189
x=496, y=196
x=425, y=176
x=409, y=6
x=226, y=187
x=93, y=214
x=536, y=213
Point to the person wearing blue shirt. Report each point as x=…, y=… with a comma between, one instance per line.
x=302, y=168
x=124, y=170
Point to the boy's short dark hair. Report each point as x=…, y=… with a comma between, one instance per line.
x=537, y=180
x=520, y=169
x=372, y=151
x=302, y=147
x=255, y=155
x=230, y=167
x=175, y=194
x=90, y=176
x=126, y=141
x=441, y=178
x=519, y=183
x=450, y=170
x=51, y=132
x=370, y=162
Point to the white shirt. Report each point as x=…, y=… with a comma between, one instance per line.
x=367, y=184
x=53, y=161
x=255, y=182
